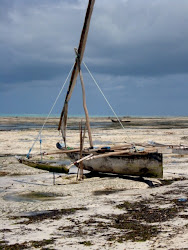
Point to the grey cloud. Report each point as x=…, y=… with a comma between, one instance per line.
x=131, y=43
x=141, y=37
x=133, y=37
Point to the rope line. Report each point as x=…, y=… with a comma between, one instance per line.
x=40, y=140
x=39, y=134
x=105, y=98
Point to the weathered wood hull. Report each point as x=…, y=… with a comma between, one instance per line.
x=137, y=164
x=44, y=165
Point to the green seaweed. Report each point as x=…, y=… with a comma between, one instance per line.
x=42, y=243
x=107, y=191
x=48, y=214
x=140, y=211
x=126, y=229
x=86, y=243
x=25, y=245
x=3, y=173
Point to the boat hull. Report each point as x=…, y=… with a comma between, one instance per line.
x=136, y=164
x=122, y=121
x=44, y=165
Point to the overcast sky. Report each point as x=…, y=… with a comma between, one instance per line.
x=137, y=50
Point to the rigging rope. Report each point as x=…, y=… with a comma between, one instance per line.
x=39, y=134
x=40, y=147
x=105, y=98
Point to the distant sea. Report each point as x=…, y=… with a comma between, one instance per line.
x=26, y=115
x=82, y=115
x=23, y=124
x=45, y=115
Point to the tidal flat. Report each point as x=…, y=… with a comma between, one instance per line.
x=102, y=211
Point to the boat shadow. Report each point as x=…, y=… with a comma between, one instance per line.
x=125, y=177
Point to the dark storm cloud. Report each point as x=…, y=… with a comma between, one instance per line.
x=132, y=45
x=133, y=37
x=137, y=37
x=36, y=42
x=141, y=37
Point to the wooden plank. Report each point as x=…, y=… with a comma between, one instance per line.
x=126, y=151
x=63, y=151
x=108, y=154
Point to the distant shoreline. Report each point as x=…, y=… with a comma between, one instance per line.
x=92, y=116
x=36, y=122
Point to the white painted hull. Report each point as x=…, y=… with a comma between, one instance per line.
x=138, y=164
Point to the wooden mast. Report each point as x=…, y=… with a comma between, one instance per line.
x=85, y=109
x=75, y=72
x=84, y=100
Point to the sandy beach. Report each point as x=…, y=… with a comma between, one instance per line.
x=102, y=211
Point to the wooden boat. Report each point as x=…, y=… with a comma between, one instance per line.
x=126, y=163
x=116, y=121
x=129, y=161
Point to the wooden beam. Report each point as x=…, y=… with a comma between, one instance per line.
x=81, y=150
x=85, y=109
x=78, y=161
x=108, y=154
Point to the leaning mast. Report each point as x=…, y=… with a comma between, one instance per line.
x=75, y=72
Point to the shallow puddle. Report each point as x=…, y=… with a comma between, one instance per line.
x=32, y=197
x=34, y=213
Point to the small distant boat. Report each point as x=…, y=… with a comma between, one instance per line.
x=116, y=120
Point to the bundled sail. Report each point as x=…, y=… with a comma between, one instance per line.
x=81, y=48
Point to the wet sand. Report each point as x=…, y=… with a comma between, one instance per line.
x=101, y=212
